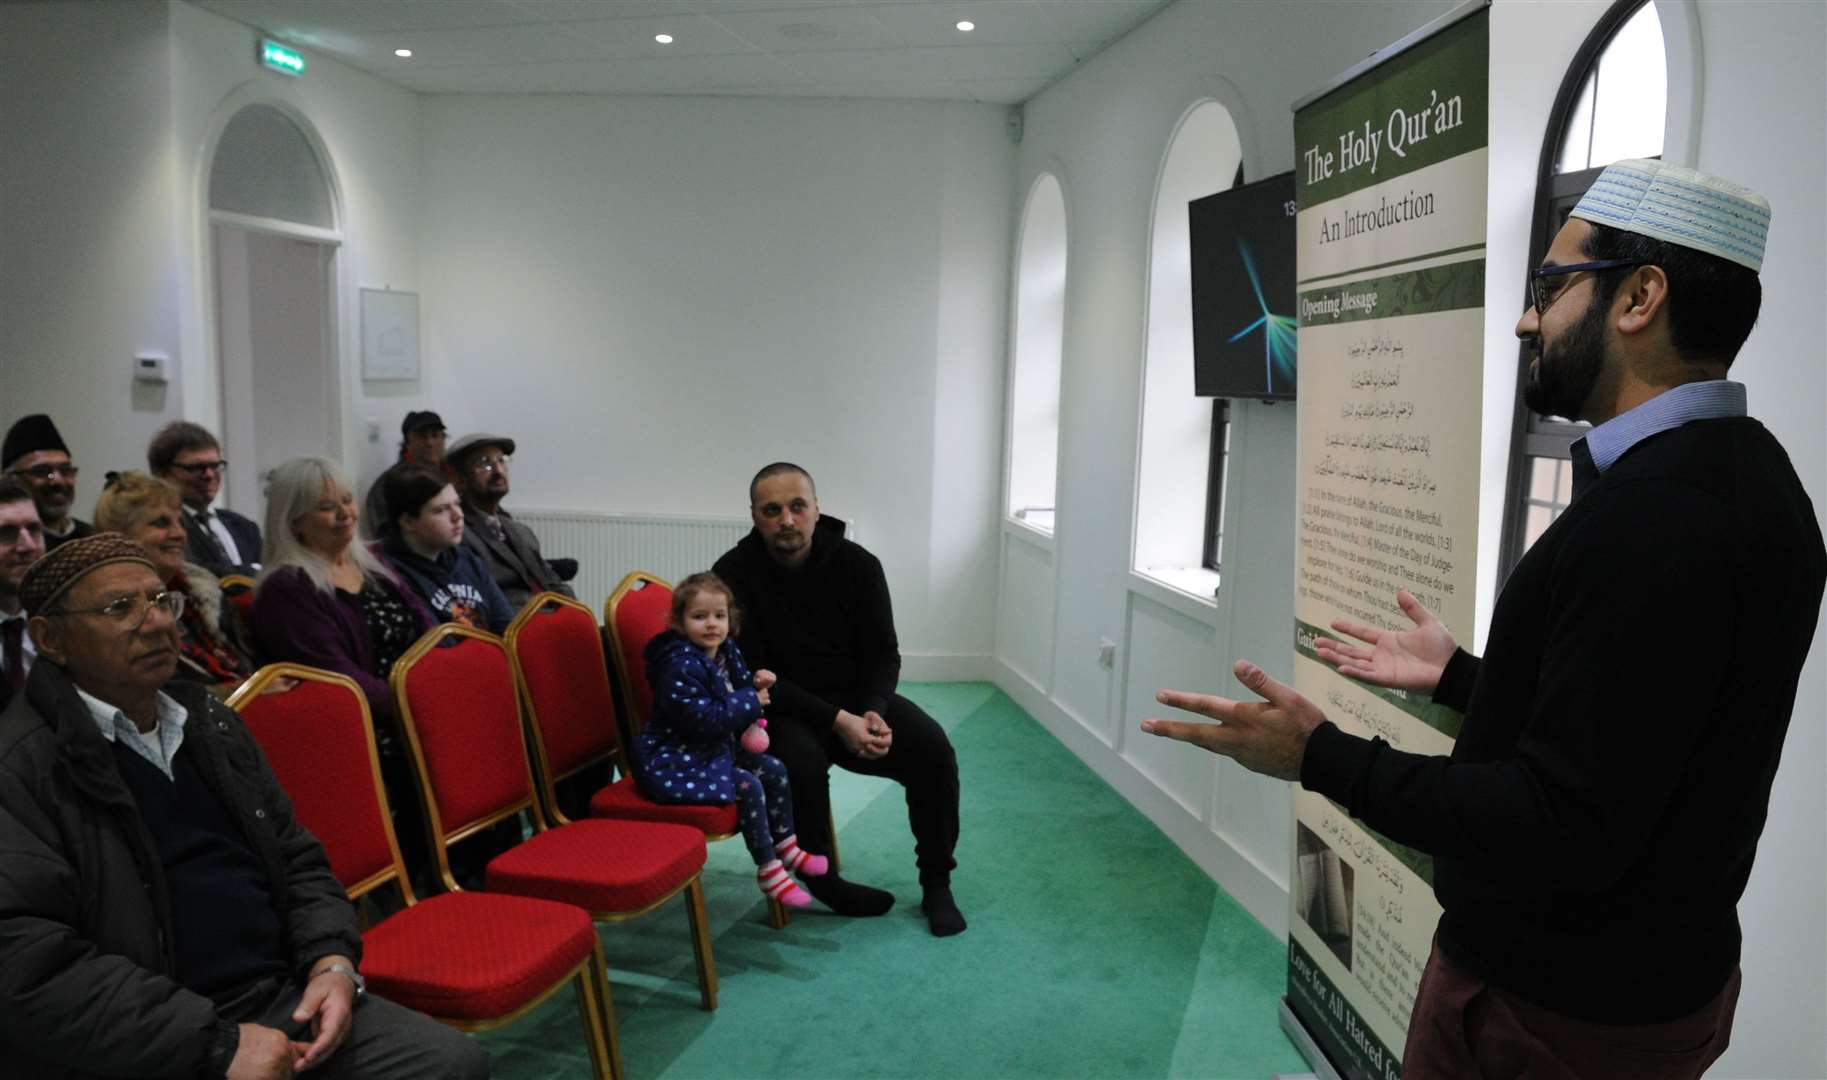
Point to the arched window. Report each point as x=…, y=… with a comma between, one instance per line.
x=265, y=167
x=1613, y=104
x=1183, y=437
x=1040, y=323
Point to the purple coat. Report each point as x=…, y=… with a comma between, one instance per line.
x=296, y=622
x=683, y=755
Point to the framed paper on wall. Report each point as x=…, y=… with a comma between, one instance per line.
x=390, y=335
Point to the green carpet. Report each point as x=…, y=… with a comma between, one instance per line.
x=1095, y=948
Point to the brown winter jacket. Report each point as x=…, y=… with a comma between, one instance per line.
x=86, y=957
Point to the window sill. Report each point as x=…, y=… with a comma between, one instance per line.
x=1190, y=590
x=1033, y=534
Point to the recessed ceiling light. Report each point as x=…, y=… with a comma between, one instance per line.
x=403, y=54
x=664, y=39
x=966, y=25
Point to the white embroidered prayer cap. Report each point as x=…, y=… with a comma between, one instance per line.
x=1681, y=206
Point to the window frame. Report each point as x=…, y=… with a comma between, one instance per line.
x=1556, y=194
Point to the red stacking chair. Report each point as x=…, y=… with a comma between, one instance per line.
x=460, y=708
x=475, y=961
x=558, y=660
x=634, y=613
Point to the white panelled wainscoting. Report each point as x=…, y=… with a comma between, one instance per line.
x=608, y=547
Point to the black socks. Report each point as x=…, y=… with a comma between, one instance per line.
x=849, y=898
x=942, y=913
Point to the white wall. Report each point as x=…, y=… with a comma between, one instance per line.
x=1762, y=125
x=87, y=276
x=655, y=297
x=111, y=109
x=1103, y=129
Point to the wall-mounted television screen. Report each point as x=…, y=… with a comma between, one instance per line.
x=1243, y=291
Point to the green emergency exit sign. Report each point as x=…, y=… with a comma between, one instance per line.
x=287, y=61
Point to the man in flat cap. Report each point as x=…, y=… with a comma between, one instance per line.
x=1594, y=826
x=508, y=548
x=162, y=914
x=421, y=442
x=35, y=455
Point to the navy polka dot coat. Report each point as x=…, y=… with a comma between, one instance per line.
x=683, y=755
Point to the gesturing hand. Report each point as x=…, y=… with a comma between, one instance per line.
x=763, y=680
x=1268, y=737
x=1400, y=659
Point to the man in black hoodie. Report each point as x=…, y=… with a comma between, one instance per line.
x=815, y=611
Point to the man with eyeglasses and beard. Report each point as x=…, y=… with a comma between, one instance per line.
x=1594, y=827
x=35, y=455
x=509, y=549
x=162, y=914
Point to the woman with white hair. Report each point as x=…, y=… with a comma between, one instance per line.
x=324, y=599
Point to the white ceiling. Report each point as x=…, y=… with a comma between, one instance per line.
x=817, y=48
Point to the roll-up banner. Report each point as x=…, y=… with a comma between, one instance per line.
x=1390, y=172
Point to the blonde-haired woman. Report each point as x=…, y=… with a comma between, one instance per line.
x=324, y=599
x=149, y=511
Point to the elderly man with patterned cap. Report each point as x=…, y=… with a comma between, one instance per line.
x=35, y=455
x=1594, y=826
x=162, y=914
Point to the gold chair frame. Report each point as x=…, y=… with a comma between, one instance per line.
x=590, y=978
x=692, y=887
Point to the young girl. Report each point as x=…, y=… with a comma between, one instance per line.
x=703, y=698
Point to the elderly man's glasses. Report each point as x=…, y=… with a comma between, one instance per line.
x=41, y=473
x=1543, y=291
x=130, y=611
x=202, y=468
x=492, y=463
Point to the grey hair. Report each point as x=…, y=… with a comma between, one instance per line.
x=292, y=490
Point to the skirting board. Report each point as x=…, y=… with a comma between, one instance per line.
x=1248, y=883
x=948, y=667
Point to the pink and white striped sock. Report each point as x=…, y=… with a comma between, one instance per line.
x=776, y=885
x=800, y=861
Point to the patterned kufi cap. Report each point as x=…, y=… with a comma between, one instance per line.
x=64, y=565
x=1682, y=207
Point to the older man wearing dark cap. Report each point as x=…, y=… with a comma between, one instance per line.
x=1595, y=824
x=421, y=443
x=511, y=551
x=162, y=914
x=35, y=454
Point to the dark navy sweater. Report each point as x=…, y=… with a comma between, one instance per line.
x=1595, y=825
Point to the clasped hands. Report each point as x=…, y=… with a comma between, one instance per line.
x=866, y=735
x=328, y=1002
x=1270, y=736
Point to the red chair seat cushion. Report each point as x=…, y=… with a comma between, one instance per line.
x=624, y=802
x=474, y=956
x=601, y=866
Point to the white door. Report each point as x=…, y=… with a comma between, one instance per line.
x=278, y=383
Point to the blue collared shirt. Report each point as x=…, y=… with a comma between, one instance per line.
x=1711, y=399
x=160, y=745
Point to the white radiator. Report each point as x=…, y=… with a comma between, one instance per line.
x=607, y=547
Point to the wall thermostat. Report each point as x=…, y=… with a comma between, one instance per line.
x=152, y=367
